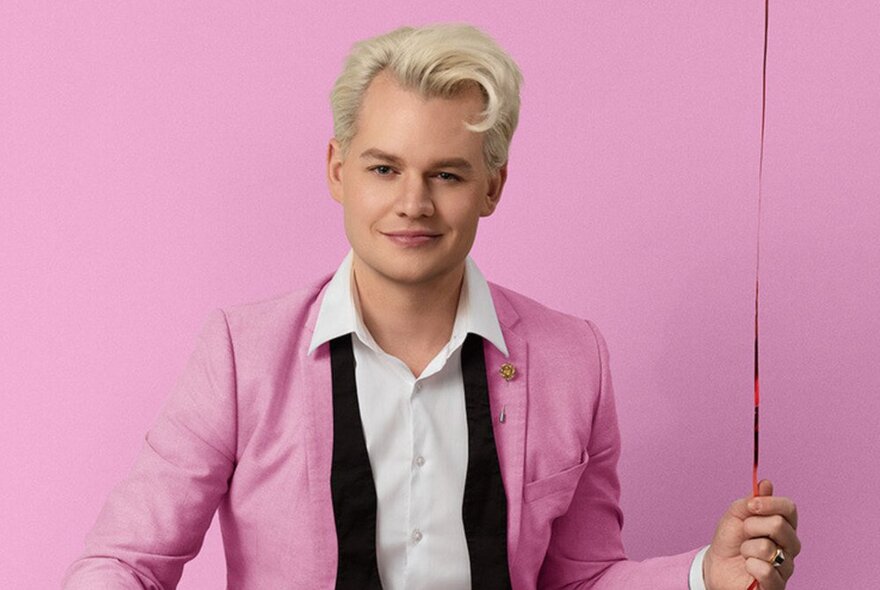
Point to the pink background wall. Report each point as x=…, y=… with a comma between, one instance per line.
x=158, y=160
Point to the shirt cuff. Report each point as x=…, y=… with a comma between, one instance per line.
x=695, y=580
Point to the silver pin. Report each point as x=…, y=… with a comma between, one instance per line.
x=501, y=418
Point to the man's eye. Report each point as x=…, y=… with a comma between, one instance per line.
x=381, y=170
x=448, y=176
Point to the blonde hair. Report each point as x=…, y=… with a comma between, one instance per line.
x=436, y=61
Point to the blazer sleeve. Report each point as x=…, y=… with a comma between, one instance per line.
x=586, y=550
x=155, y=520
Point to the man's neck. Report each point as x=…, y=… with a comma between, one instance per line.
x=409, y=321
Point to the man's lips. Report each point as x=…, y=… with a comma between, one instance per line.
x=411, y=237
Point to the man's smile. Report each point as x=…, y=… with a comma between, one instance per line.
x=412, y=238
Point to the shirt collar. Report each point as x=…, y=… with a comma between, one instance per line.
x=339, y=313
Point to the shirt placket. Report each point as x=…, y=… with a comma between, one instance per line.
x=417, y=543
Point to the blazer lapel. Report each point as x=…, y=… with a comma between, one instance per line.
x=509, y=396
x=317, y=385
x=314, y=381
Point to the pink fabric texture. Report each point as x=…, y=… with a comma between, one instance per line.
x=248, y=431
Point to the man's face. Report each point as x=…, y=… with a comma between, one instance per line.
x=414, y=183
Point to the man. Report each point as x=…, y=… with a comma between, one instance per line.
x=404, y=423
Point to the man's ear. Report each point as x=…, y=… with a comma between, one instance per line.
x=334, y=170
x=493, y=192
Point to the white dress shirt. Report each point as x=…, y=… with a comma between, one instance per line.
x=416, y=435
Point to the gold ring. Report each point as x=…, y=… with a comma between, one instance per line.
x=778, y=558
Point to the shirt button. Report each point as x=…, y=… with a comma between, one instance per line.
x=418, y=386
x=420, y=460
x=417, y=535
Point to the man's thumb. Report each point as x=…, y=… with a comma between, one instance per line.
x=765, y=487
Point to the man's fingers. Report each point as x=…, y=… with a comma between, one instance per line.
x=740, y=508
x=769, y=577
x=762, y=548
x=777, y=529
x=768, y=505
x=765, y=550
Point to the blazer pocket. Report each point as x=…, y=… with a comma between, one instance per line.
x=563, y=481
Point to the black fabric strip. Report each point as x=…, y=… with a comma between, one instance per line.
x=351, y=478
x=484, y=509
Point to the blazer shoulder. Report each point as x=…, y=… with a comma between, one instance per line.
x=535, y=320
x=276, y=315
x=283, y=303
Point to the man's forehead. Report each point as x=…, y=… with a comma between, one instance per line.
x=400, y=126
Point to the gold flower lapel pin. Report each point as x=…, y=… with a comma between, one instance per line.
x=507, y=371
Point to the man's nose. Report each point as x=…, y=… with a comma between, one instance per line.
x=415, y=198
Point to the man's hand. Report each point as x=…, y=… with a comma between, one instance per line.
x=746, y=540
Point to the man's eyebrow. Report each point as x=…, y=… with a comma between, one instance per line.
x=377, y=154
x=459, y=163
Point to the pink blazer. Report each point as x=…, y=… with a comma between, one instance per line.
x=248, y=431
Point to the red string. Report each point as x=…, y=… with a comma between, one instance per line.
x=758, y=253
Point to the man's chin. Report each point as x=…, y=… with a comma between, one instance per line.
x=415, y=270
x=417, y=276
